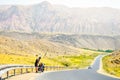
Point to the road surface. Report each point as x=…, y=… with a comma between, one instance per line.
x=83, y=74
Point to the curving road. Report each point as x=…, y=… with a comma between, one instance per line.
x=83, y=74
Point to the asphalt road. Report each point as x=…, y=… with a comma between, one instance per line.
x=83, y=74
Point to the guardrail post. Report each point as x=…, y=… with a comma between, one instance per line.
x=21, y=71
x=58, y=67
x=26, y=70
x=32, y=69
x=46, y=68
x=0, y=78
x=7, y=74
x=14, y=72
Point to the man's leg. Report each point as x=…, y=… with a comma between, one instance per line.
x=36, y=68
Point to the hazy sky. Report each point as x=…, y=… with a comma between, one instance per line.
x=70, y=3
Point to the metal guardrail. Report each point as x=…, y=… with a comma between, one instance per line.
x=7, y=71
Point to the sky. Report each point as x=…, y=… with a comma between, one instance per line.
x=69, y=3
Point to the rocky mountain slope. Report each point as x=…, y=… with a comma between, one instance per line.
x=77, y=41
x=12, y=45
x=45, y=17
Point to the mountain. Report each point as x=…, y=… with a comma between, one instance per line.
x=45, y=17
x=72, y=40
x=26, y=47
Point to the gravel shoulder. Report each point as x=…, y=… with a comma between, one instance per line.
x=28, y=76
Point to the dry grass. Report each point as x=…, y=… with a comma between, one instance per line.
x=34, y=47
x=111, y=63
x=14, y=51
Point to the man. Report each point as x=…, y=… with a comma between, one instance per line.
x=37, y=63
